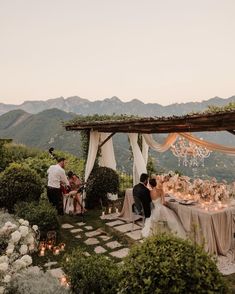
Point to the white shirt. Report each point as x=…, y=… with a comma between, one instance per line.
x=56, y=175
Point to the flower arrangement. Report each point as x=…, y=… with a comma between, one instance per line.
x=18, y=241
x=208, y=190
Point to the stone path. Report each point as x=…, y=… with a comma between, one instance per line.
x=99, y=241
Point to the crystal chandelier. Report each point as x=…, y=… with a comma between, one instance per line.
x=188, y=153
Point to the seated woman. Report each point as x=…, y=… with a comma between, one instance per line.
x=75, y=185
x=160, y=213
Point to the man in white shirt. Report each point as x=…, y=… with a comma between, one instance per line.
x=56, y=177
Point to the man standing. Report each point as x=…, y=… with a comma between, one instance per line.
x=56, y=177
x=141, y=192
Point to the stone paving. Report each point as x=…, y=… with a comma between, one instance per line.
x=101, y=242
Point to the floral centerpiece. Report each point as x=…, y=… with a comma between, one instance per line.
x=18, y=242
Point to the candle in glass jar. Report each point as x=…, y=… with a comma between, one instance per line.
x=56, y=250
x=42, y=253
x=103, y=213
x=110, y=209
x=116, y=210
x=219, y=204
x=62, y=246
x=216, y=208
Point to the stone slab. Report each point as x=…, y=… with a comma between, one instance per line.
x=115, y=223
x=121, y=253
x=76, y=230
x=51, y=263
x=127, y=228
x=113, y=244
x=99, y=249
x=66, y=226
x=87, y=253
x=105, y=238
x=81, y=224
x=92, y=241
x=135, y=235
x=93, y=233
x=78, y=236
x=88, y=228
x=110, y=216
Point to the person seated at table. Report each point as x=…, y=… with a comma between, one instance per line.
x=75, y=192
x=141, y=192
x=161, y=213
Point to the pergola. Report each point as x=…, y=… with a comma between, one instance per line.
x=101, y=131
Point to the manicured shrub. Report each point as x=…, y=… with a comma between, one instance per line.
x=42, y=214
x=102, y=180
x=91, y=274
x=166, y=264
x=19, y=183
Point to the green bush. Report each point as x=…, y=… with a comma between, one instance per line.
x=19, y=183
x=102, y=180
x=166, y=264
x=42, y=214
x=91, y=274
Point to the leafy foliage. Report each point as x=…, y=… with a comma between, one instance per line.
x=102, y=180
x=19, y=183
x=42, y=214
x=166, y=264
x=91, y=274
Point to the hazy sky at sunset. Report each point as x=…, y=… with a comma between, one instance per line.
x=153, y=50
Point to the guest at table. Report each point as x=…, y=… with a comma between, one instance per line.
x=141, y=192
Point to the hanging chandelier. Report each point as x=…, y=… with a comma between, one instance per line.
x=188, y=153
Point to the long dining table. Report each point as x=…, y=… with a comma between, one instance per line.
x=214, y=229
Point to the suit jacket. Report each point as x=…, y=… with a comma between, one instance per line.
x=142, y=192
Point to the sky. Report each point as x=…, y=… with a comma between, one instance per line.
x=155, y=51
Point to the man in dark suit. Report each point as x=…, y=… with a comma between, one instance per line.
x=141, y=192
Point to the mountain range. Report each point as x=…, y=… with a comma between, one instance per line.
x=39, y=124
x=113, y=105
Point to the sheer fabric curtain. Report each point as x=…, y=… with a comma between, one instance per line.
x=139, y=165
x=107, y=157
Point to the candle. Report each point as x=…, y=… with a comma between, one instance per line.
x=62, y=245
x=63, y=281
x=110, y=209
x=103, y=213
x=216, y=208
x=42, y=253
x=56, y=250
x=219, y=204
x=116, y=210
x=206, y=208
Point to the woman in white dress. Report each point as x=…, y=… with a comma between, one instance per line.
x=161, y=213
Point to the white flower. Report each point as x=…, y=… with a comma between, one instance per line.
x=25, y=223
x=23, y=249
x=24, y=230
x=2, y=289
x=26, y=259
x=10, y=225
x=21, y=220
x=19, y=264
x=4, y=258
x=35, y=228
x=29, y=239
x=7, y=279
x=31, y=247
x=3, y=267
x=16, y=236
x=9, y=251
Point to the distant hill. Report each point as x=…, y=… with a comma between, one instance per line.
x=43, y=129
x=113, y=105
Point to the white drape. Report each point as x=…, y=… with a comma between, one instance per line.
x=107, y=157
x=92, y=151
x=139, y=165
x=145, y=150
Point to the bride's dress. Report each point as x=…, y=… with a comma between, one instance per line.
x=160, y=213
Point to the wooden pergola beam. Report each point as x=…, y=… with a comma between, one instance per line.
x=222, y=121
